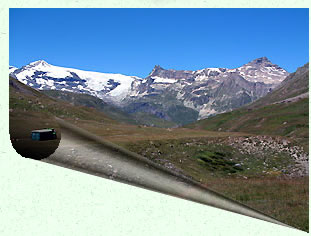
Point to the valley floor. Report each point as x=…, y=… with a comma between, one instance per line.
x=267, y=173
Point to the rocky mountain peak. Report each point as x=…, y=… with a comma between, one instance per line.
x=262, y=70
x=156, y=70
x=261, y=61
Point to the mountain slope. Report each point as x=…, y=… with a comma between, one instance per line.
x=294, y=85
x=270, y=114
x=115, y=113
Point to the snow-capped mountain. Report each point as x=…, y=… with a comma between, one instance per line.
x=177, y=95
x=41, y=75
x=209, y=91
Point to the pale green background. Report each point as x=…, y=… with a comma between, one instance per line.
x=41, y=199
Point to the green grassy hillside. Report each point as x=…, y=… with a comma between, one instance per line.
x=139, y=118
x=277, y=119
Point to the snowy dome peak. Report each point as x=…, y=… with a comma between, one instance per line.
x=39, y=63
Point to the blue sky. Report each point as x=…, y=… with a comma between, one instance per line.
x=133, y=41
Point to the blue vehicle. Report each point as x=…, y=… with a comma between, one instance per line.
x=43, y=134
